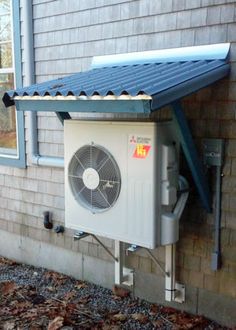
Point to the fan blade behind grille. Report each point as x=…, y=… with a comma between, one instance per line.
x=107, y=192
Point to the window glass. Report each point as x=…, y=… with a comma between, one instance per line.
x=5, y=7
x=7, y=117
x=8, y=140
x=5, y=27
x=5, y=55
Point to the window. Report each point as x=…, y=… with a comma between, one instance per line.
x=11, y=122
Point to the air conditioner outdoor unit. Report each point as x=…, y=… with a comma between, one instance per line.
x=120, y=179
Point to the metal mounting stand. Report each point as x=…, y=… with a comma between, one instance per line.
x=173, y=291
x=123, y=275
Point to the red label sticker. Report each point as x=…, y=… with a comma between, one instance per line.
x=141, y=151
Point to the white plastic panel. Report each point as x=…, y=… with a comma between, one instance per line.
x=169, y=174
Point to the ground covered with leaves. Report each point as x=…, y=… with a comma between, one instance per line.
x=35, y=298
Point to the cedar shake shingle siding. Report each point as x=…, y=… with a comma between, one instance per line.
x=67, y=34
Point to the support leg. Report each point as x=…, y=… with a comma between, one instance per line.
x=123, y=275
x=173, y=291
x=170, y=270
x=119, y=262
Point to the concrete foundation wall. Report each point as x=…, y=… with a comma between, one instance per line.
x=82, y=266
x=67, y=34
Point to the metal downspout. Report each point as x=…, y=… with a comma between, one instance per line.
x=34, y=157
x=216, y=255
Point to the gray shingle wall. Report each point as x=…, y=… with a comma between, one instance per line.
x=67, y=34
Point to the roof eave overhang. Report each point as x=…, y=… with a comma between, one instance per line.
x=123, y=103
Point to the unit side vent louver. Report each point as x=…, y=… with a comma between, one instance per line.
x=94, y=178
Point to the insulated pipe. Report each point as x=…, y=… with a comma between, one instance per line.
x=184, y=189
x=171, y=292
x=28, y=46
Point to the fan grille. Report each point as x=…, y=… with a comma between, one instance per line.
x=94, y=178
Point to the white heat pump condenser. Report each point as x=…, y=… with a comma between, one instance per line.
x=119, y=178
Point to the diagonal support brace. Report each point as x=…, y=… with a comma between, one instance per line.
x=104, y=247
x=80, y=234
x=156, y=262
x=190, y=152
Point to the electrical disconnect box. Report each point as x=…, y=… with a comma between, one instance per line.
x=213, y=152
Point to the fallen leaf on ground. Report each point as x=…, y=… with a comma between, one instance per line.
x=154, y=309
x=8, y=262
x=65, y=308
x=80, y=286
x=51, y=289
x=69, y=295
x=7, y=287
x=84, y=300
x=116, y=297
x=56, y=324
x=132, y=304
x=141, y=318
x=158, y=324
x=9, y=326
x=172, y=318
x=120, y=291
x=168, y=310
x=110, y=327
x=31, y=313
x=119, y=317
x=57, y=278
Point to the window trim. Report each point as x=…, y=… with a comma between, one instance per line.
x=20, y=159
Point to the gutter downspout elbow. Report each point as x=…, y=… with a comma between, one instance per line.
x=50, y=161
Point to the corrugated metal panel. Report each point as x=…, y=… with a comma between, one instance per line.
x=148, y=79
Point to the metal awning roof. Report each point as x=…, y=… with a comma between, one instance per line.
x=155, y=79
x=134, y=83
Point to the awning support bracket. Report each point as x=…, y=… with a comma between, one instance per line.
x=185, y=137
x=62, y=116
